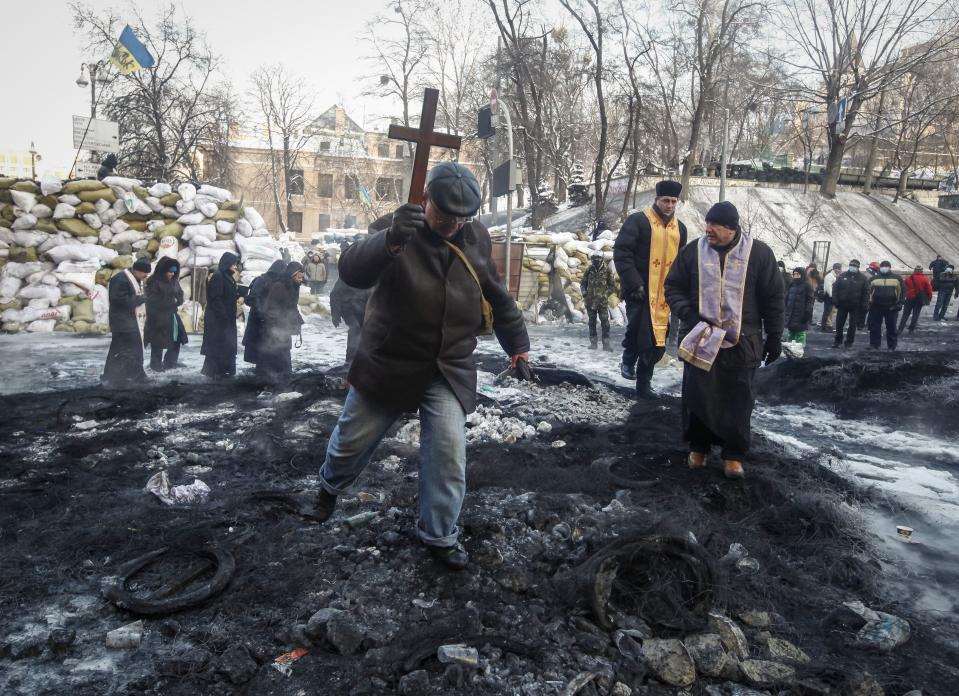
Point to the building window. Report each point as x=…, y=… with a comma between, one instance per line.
x=324, y=146
x=349, y=222
x=296, y=182
x=384, y=188
x=295, y=223
x=324, y=222
x=398, y=188
x=399, y=152
x=351, y=187
x=383, y=150
x=325, y=186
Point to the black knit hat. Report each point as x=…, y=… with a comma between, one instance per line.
x=725, y=214
x=800, y=270
x=854, y=262
x=294, y=267
x=669, y=188
x=142, y=264
x=453, y=189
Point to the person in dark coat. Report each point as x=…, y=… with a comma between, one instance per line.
x=645, y=249
x=348, y=304
x=786, y=275
x=434, y=287
x=253, y=336
x=887, y=292
x=219, y=320
x=107, y=167
x=948, y=288
x=124, y=364
x=937, y=266
x=281, y=321
x=918, y=295
x=850, y=294
x=722, y=329
x=799, y=303
x=164, y=329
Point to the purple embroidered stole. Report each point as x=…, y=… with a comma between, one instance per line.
x=721, y=291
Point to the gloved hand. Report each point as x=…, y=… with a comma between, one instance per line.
x=520, y=369
x=336, y=323
x=516, y=358
x=638, y=295
x=407, y=219
x=772, y=349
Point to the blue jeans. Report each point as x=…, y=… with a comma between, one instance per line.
x=442, y=474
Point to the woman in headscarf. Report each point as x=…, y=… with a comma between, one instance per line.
x=219, y=320
x=164, y=329
x=253, y=336
x=281, y=320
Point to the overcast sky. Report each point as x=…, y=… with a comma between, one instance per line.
x=42, y=57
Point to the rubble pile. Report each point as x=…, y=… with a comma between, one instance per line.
x=62, y=241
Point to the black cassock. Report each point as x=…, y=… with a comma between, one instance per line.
x=718, y=404
x=219, y=321
x=281, y=319
x=124, y=363
x=253, y=336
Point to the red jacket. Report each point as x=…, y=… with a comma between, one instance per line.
x=918, y=285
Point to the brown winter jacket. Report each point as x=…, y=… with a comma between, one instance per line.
x=424, y=313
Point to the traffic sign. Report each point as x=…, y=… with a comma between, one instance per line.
x=95, y=134
x=85, y=170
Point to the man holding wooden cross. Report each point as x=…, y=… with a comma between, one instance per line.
x=433, y=286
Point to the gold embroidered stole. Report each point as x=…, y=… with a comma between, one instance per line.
x=663, y=247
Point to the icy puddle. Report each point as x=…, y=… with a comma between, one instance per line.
x=916, y=477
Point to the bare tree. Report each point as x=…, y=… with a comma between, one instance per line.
x=286, y=108
x=167, y=112
x=857, y=49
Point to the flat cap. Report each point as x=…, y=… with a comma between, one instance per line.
x=453, y=189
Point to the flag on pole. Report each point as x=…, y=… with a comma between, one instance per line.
x=130, y=54
x=365, y=196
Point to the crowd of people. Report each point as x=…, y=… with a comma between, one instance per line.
x=418, y=290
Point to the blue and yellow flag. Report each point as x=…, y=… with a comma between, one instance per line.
x=365, y=195
x=130, y=54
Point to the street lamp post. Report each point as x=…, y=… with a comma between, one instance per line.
x=33, y=161
x=98, y=73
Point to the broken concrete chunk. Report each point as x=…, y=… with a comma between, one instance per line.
x=731, y=635
x=670, y=662
x=126, y=637
x=458, y=654
x=343, y=634
x=710, y=656
x=765, y=673
x=783, y=650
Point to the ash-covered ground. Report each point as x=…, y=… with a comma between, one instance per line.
x=848, y=446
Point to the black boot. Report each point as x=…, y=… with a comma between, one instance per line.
x=627, y=371
x=453, y=557
x=606, y=346
x=325, y=504
x=644, y=391
x=592, y=342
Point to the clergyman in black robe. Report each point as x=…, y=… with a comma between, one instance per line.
x=219, y=320
x=124, y=364
x=281, y=320
x=253, y=336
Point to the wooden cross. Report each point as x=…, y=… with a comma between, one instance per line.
x=424, y=138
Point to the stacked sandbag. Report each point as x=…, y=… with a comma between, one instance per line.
x=62, y=242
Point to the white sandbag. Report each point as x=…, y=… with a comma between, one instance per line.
x=71, y=290
x=23, y=200
x=105, y=235
x=257, y=266
x=102, y=205
x=160, y=189
x=70, y=199
x=50, y=185
x=34, y=292
x=38, y=303
x=251, y=215
x=154, y=225
x=244, y=228
x=10, y=286
x=141, y=245
x=205, y=256
x=42, y=326
x=49, y=279
x=127, y=236
x=108, y=217
x=35, y=278
x=227, y=244
x=119, y=207
x=184, y=256
x=6, y=235
x=154, y=204
x=29, y=238
x=170, y=212
x=187, y=191
x=64, y=211
x=41, y=211
x=86, y=266
x=250, y=249
x=92, y=254
x=87, y=281
x=199, y=232
x=225, y=227
x=24, y=222
x=168, y=248
x=61, y=313
x=101, y=299
x=219, y=194
x=140, y=207
x=21, y=271
x=93, y=220
x=186, y=284
x=58, y=239
x=209, y=209
x=260, y=232
x=121, y=182
x=194, y=218
x=10, y=315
